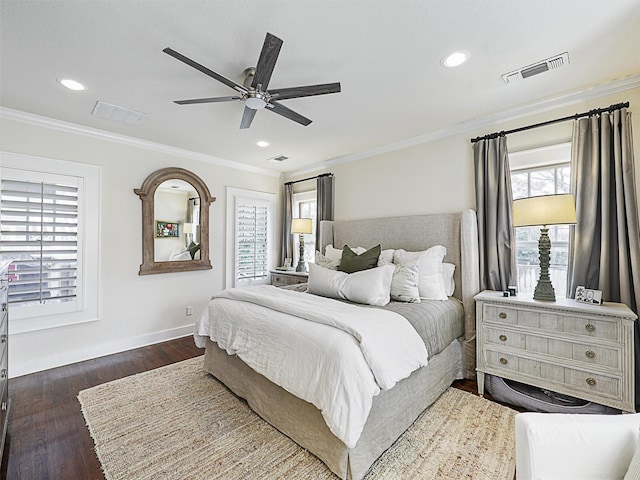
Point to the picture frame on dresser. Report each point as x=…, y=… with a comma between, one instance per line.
x=578, y=349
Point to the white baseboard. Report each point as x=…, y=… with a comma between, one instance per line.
x=17, y=369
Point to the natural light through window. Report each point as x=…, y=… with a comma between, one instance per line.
x=304, y=206
x=530, y=181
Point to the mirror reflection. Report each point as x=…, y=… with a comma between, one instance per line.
x=176, y=222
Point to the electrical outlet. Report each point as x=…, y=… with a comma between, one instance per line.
x=189, y=311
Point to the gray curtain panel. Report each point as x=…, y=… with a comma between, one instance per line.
x=286, y=250
x=606, y=245
x=324, y=202
x=495, y=219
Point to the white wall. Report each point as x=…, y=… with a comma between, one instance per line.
x=438, y=177
x=134, y=310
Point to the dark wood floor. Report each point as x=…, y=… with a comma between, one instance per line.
x=48, y=439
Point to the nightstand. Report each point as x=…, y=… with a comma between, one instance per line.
x=281, y=278
x=585, y=351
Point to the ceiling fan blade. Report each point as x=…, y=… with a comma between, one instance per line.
x=206, y=100
x=306, y=91
x=287, y=113
x=247, y=117
x=205, y=70
x=267, y=61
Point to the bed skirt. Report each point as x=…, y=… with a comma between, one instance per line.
x=392, y=412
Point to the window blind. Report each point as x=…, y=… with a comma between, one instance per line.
x=251, y=237
x=40, y=234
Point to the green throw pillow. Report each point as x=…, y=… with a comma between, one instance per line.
x=352, y=262
x=193, y=249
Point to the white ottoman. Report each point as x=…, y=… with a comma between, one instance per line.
x=563, y=446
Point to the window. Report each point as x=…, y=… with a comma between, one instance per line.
x=40, y=234
x=251, y=238
x=51, y=240
x=530, y=181
x=250, y=253
x=304, y=206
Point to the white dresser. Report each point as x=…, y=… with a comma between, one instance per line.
x=283, y=278
x=573, y=348
x=4, y=350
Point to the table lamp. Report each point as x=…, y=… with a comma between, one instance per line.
x=301, y=226
x=189, y=230
x=544, y=210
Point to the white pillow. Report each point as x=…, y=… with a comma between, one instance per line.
x=404, y=284
x=430, y=281
x=386, y=257
x=332, y=253
x=326, y=262
x=448, y=270
x=179, y=254
x=336, y=253
x=370, y=287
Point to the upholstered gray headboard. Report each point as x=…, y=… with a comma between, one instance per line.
x=458, y=232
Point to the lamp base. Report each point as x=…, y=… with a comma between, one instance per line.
x=302, y=265
x=544, y=291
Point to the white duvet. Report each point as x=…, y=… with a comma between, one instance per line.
x=334, y=355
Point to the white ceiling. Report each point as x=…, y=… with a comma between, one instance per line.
x=385, y=53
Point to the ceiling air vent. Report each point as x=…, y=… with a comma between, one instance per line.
x=556, y=61
x=118, y=114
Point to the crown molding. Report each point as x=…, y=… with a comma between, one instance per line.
x=488, y=121
x=54, y=124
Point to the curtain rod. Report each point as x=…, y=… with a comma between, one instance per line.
x=310, y=178
x=590, y=113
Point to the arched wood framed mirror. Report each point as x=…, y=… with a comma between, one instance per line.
x=175, y=222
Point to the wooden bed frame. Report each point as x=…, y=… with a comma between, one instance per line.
x=394, y=410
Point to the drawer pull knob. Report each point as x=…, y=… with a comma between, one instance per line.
x=590, y=354
x=502, y=315
x=503, y=338
x=3, y=373
x=503, y=361
x=590, y=327
x=591, y=381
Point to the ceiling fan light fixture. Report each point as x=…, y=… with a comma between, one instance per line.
x=256, y=101
x=71, y=84
x=455, y=59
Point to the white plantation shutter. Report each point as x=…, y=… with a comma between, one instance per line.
x=252, y=233
x=40, y=233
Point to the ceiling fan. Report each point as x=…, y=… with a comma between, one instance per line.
x=254, y=91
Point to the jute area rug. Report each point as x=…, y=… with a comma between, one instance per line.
x=177, y=422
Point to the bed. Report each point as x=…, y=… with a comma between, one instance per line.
x=393, y=410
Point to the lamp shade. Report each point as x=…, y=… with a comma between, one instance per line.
x=544, y=210
x=188, y=228
x=301, y=225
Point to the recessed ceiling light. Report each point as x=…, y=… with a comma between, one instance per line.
x=455, y=59
x=262, y=143
x=71, y=84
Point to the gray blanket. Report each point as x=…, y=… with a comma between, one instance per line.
x=438, y=322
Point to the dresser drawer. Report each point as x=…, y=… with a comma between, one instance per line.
x=590, y=327
x=573, y=379
x=588, y=352
x=282, y=279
